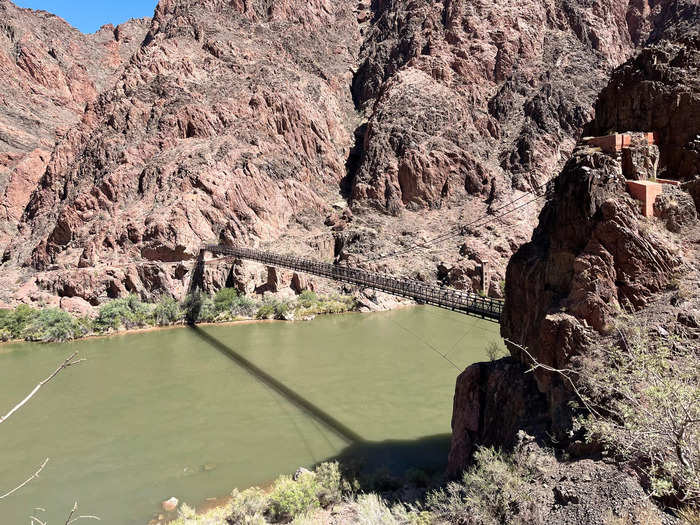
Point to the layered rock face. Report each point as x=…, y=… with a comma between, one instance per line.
x=468, y=97
x=50, y=72
x=659, y=90
x=217, y=129
x=592, y=256
x=247, y=121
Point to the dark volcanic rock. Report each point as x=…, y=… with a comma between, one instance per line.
x=659, y=90
x=492, y=402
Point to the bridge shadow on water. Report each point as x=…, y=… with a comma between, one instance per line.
x=428, y=453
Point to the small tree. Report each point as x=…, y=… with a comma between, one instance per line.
x=645, y=402
x=167, y=311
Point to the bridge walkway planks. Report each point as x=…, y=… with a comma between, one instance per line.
x=448, y=298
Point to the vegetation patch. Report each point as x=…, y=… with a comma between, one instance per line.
x=288, y=499
x=272, y=308
x=55, y=325
x=493, y=490
x=643, y=404
x=128, y=313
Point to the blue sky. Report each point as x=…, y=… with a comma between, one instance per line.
x=90, y=15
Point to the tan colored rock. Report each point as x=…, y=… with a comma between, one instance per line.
x=170, y=505
x=76, y=306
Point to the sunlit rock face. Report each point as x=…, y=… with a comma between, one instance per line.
x=248, y=121
x=50, y=71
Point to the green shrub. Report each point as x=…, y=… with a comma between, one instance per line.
x=417, y=477
x=272, y=308
x=16, y=321
x=382, y=480
x=225, y=298
x=307, y=298
x=167, y=311
x=53, y=325
x=290, y=498
x=492, y=491
x=216, y=516
x=229, y=304
x=371, y=509
x=128, y=313
x=308, y=303
x=248, y=506
x=639, y=387
x=330, y=479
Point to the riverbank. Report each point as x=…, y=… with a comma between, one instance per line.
x=231, y=405
x=131, y=315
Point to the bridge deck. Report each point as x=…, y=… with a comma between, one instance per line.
x=449, y=298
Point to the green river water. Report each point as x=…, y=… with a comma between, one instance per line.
x=193, y=413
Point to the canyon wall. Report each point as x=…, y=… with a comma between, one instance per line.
x=263, y=122
x=593, y=257
x=50, y=73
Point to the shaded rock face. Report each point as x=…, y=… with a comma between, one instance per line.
x=591, y=256
x=50, y=71
x=492, y=402
x=462, y=96
x=659, y=90
x=675, y=207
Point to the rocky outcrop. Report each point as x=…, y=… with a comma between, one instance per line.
x=675, y=207
x=659, y=90
x=492, y=403
x=217, y=130
x=50, y=72
x=592, y=255
x=462, y=97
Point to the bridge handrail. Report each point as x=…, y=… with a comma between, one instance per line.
x=450, y=298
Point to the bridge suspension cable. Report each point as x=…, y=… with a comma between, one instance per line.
x=448, y=298
x=459, y=230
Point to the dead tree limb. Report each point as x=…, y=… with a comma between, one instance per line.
x=71, y=519
x=35, y=475
x=70, y=361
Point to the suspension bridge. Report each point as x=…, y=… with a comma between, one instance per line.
x=442, y=297
x=449, y=298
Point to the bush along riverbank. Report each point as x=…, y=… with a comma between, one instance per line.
x=494, y=490
x=49, y=325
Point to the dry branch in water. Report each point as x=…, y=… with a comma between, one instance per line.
x=35, y=475
x=70, y=361
x=71, y=519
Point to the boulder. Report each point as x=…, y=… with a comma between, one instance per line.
x=77, y=306
x=170, y=505
x=492, y=402
x=675, y=208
